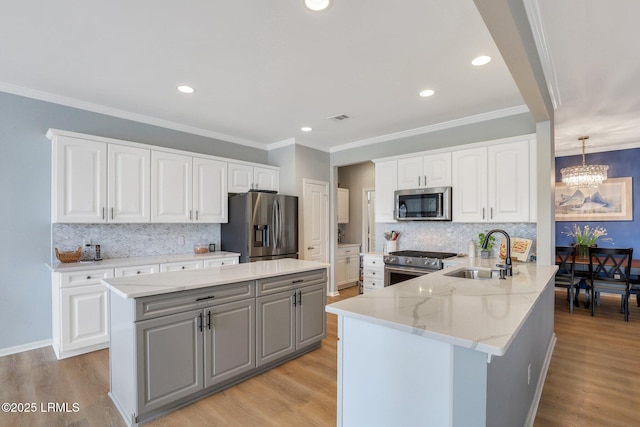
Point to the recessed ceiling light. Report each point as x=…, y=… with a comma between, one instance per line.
x=427, y=92
x=306, y=129
x=481, y=60
x=186, y=89
x=317, y=5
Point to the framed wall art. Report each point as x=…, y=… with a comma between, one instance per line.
x=611, y=201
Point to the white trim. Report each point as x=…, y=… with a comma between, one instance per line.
x=25, y=347
x=435, y=127
x=598, y=149
x=532, y=7
x=280, y=144
x=533, y=409
x=122, y=114
x=364, y=222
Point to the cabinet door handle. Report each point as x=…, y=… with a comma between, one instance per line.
x=418, y=180
x=482, y=213
x=196, y=215
x=491, y=211
x=200, y=321
x=111, y=213
x=103, y=213
x=425, y=180
x=190, y=214
x=300, y=297
x=294, y=299
x=209, y=319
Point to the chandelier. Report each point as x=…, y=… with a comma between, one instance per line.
x=584, y=176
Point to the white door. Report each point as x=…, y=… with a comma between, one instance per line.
x=129, y=184
x=266, y=179
x=437, y=170
x=80, y=181
x=209, y=191
x=171, y=186
x=85, y=319
x=410, y=173
x=240, y=178
x=316, y=220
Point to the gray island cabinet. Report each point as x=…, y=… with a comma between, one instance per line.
x=179, y=336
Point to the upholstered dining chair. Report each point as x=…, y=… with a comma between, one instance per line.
x=609, y=271
x=565, y=276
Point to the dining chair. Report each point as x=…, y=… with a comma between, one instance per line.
x=609, y=271
x=565, y=276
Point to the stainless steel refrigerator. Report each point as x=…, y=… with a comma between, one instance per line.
x=262, y=226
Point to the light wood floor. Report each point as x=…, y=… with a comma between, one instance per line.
x=593, y=380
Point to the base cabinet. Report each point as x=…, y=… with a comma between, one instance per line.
x=201, y=347
x=290, y=320
x=172, y=349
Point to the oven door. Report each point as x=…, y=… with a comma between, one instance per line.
x=395, y=274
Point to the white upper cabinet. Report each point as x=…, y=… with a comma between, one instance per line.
x=343, y=206
x=266, y=179
x=429, y=171
x=209, y=191
x=243, y=178
x=129, y=184
x=491, y=184
x=79, y=180
x=508, y=192
x=386, y=185
x=171, y=187
x=469, y=190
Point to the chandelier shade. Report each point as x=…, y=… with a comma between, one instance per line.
x=584, y=176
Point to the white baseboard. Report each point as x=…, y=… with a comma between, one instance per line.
x=334, y=294
x=533, y=410
x=25, y=347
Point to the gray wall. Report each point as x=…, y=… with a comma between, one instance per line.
x=355, y=178
x=25, y=186
x=519, y=124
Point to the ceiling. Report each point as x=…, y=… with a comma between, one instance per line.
x=264, y=69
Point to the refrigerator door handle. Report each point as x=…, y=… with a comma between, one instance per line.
x=274, y=216
x=279, y=223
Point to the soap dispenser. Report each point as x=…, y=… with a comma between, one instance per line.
x=472, y=249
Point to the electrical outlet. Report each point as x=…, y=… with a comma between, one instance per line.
x=86, y=242
x=529, y=374
x=181, y=240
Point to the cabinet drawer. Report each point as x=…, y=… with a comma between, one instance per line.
x=177, y=302
x=135, y=270
x=86, y=277
x=348, y=250
x=282, y=283
x=374, y=262
x=216, y=262
x=373, y=283
x=374, y=273
x=179, y=266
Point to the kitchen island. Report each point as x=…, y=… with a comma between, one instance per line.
x=179, y=336
x=439, y=350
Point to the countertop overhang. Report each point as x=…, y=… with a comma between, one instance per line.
x=163, y=283
x=483, y=315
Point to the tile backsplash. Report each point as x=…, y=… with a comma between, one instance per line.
x=128, y=240
x=449, y=236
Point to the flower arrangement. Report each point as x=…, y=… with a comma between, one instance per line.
x=588, y=236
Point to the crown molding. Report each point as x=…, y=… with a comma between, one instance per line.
x=122, y=114
x=505, y=112
x=532, y=7
x=599, y=149
x=280, y=144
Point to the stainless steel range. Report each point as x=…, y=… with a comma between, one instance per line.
x=404, y=265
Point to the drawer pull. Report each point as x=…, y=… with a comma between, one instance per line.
x=88, y=277
x=182, y=267
x=298, y=281
x=137, y=272
x=205, y=298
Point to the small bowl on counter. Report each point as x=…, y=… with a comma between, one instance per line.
x=201, y=248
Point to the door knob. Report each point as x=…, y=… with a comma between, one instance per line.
x=310, y=247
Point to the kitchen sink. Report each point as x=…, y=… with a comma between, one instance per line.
x=474, y=273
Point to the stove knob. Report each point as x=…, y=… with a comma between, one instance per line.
x=408, y=262
x=434, y=262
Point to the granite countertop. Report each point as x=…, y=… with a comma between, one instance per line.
x=60, y=267
x=484, y=315
x=162, y=283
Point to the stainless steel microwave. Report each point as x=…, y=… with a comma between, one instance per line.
x=423, y=204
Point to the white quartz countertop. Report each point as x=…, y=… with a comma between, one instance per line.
x=162, y=283
x=60, y=267
x=484, y=315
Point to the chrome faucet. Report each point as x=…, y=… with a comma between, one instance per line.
x=507, y=263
